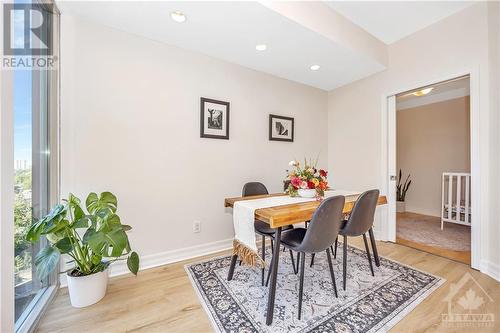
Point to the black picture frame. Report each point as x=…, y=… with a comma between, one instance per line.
x=273, y=137
x=204, y=100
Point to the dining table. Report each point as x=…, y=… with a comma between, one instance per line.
x=280, y=216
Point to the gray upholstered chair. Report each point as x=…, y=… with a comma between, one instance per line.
x=262, y=228
x=359, y=223
x=318, y=237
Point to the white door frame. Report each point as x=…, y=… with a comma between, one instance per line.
x=388, y=153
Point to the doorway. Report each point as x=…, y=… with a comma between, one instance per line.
x=457, y=241
x=433, y=198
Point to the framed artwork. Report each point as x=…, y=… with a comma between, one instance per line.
x=214, y=119
x=280, y=128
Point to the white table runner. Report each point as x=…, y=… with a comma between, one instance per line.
x=244, y=244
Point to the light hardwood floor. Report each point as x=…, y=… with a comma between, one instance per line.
x=163, y=300
x=419, y=221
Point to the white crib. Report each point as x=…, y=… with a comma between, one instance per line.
x=455, y=198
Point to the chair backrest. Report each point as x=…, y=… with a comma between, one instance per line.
x=361, y=218
x=324, y=226
x=254, y=188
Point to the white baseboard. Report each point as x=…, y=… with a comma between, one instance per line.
x=491, y=269
x=168, y=257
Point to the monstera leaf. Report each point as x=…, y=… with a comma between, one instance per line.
x=93, y=239
x=106, y=200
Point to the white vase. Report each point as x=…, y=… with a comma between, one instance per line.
x=400, y=206
x=87, y=290
x=307, y=192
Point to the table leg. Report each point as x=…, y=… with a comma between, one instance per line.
x=231, y=268
x=374, y=247
x=274, y=275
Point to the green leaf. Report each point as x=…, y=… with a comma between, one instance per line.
x=117, y=241
x=46, y=261
x=133, y=263
x=96, y=259
x=91, y=202
x=106, y=200
x=95, y=239
x=110, y=222
x=64, y=245
x=81, y=223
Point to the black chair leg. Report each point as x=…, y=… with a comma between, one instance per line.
x=336, y=245
x=231, y=268
x=312, y=259
x=344, y=262
x=368, y=254
x=263, y=256
x=301, y=284
x=374, y=247
x=331, y=272
x=272, y=244
x=293, y=263
x=298, y=261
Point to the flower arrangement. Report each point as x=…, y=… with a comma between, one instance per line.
x=306, y=177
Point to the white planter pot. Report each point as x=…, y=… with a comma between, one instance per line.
x=400, y=206
x=307, y=193
x=87, y=290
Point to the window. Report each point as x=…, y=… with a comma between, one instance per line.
x=35, y=109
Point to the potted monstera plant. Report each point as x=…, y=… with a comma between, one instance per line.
x=92, y=240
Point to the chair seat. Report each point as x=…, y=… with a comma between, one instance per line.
x=263, y=228
x=293, y=238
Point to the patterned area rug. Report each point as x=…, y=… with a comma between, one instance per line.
x=370, y=304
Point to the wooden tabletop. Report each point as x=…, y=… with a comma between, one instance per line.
x=281, y=216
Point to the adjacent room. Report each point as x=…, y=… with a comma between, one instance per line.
x=433, y=159
x=249, y=166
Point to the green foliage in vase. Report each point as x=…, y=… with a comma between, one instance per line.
x=401, y=189
x=93, y=239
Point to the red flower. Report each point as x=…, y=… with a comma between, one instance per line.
x=310, y=185
x=296, y=181
x=323, y=185
x=323, y=173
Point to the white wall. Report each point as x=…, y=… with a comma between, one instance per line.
x=130, y=117
x=432, y=139
x=454, y=45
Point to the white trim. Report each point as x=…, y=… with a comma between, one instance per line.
x=168, y=257
x=491, y=269
x=476, y=163
x=7, y=202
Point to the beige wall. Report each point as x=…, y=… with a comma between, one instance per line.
x=453, y=46
x=432, y=139
x=130, y=124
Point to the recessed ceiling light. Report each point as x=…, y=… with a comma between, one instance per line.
x=422, y=92
x=261, y=47
x=178, y=16
x=314, y=67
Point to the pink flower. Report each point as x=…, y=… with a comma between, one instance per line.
x=296, y=182
x=303, y=185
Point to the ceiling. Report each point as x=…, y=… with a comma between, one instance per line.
x=297, y=34
x=440, y=92
x=390, y=21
